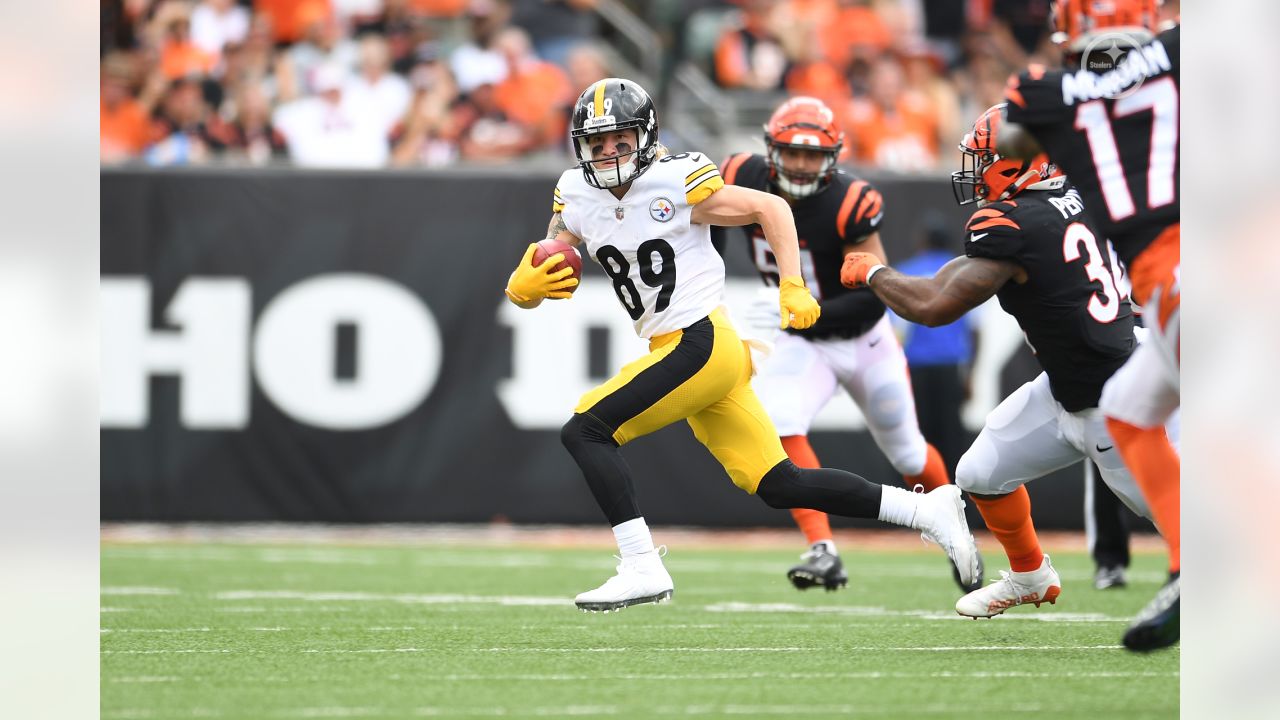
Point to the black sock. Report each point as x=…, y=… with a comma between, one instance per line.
x=591, y=444
x=832, y=491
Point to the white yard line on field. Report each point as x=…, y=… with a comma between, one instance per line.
x=115, y=590
x=426, y=599
x=625, y=649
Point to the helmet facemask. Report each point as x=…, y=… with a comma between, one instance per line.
x=620, y=169
x=797, y=184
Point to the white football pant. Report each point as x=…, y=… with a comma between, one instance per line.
x=801, y=376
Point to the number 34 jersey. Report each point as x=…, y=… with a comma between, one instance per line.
x=1072, y=307
x=665, y=271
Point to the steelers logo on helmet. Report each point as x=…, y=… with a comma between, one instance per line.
x=614, y=132
x=803, y=146
x=985, y=176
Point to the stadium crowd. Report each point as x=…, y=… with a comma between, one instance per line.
x=374, y=83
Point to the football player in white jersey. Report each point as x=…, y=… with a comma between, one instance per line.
x=645, y=217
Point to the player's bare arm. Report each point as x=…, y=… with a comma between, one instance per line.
x=961, y=285
x=1015, y=141
x=557, y=230
x=735, y=206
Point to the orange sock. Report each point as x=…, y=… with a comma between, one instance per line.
x=1009, y=519
x=1158, y=471
x=813, y=523
x=933, y=475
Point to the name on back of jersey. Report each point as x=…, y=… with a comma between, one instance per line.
x=1141, y=63
x=1069, y=204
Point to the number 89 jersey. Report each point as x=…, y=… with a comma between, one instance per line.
x=664, y=269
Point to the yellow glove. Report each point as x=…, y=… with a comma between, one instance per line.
x=799, y=309
x=529, y=283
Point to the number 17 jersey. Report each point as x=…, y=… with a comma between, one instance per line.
x=665, y=272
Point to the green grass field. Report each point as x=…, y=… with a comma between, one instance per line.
x=329, y=631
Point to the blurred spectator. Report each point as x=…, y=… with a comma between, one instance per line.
x=534, y=92
x=855, y=30
x=328, y=130
x=124, y=124
x=940, y=358
x=248, y=134
x=750, y=54
x=924, y=70
x=484, y=130
x=429, y=129
x=891, y=128
x=215, y=23
x=586, y=65
x=290, y=18
x=556, y=26
x=486, y=19
x=324, y=42
x=179, y=56
x=437, y=8
x=376, y=87
x=180, y=128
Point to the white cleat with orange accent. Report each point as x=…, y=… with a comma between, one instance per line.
x=1042, y=585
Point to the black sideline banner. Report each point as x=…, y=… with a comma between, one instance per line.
x=279, y=345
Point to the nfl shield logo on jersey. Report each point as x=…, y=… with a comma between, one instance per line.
x=661, y=209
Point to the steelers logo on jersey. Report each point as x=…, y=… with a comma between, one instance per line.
x=661, y=209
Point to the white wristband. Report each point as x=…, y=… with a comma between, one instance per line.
x=871, y=273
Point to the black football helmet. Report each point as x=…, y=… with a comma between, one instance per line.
x=614, y=104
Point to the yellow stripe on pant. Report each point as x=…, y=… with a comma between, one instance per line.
x=700, y=374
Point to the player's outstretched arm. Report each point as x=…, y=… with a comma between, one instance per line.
x=529, y=285
x=732, y=206
x=961, y=285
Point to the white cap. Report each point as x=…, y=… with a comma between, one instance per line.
x=327, y=77
x=473, y=69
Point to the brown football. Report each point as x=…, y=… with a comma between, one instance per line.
x=547, y=248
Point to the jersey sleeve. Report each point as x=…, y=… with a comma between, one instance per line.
x=994, y=234
x=557, y=201
x=702, y=178
x=1035, y=97
x=861, y=211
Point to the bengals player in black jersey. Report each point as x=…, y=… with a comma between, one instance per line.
x=1033, y=246
x=852, y=345
x=1110, y=121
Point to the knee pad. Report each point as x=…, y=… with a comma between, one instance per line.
x=583, y=428
x=887, y=406
x=968, y=477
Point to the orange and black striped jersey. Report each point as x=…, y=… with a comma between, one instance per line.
x=1073, y=310
x=844, y=213
x=1113, y=128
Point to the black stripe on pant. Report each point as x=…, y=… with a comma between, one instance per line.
x=655, y=382
x=588, y=436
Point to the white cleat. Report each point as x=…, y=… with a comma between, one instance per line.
x=640, y=579
x=940, y=519
x=1013, y=588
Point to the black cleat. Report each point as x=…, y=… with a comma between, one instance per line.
x=977, y=580
x=1109, y=576
x=819, y=566
x=1157, y=625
